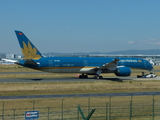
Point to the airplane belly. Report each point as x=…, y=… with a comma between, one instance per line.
x=70, y=70
x=87, y=70
x=66, y=70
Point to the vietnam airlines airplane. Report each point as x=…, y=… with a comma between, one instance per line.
x=83, y=65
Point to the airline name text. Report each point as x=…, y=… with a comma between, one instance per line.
x=128, y=60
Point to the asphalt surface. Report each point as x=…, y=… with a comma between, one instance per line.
x=44, y=80
x=74, y=79
x=81, y=95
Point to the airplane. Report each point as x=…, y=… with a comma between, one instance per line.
x=83, y=65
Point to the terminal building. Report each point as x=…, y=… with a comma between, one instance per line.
x=10, y=56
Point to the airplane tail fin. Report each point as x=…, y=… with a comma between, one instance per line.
x=29, y=51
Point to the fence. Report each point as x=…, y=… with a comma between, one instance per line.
x=106, y=108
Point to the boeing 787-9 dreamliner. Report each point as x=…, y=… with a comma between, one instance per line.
x=83, y=65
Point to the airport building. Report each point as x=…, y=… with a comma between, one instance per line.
x=2, y=56
x=10, y=56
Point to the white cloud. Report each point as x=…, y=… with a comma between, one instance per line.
x=131, y=42
x=157, y=43
x=147, y=43
x=153, y=41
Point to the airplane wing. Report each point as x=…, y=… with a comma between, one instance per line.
x=111, y=65
x=108, y=66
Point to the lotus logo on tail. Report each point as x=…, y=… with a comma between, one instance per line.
x=29, y=52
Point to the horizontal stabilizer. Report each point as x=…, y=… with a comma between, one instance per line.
x=9, y=60
x=30, y=62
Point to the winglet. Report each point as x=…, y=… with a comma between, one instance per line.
x=29, y=51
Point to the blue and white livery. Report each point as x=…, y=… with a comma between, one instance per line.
x=83, y=65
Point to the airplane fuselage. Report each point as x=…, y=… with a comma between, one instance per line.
x=85, y=64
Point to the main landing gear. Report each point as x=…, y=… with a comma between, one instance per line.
x=98, y=77
x=83, y=76
x=86, y=76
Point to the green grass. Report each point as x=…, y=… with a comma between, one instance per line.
x=77, y=87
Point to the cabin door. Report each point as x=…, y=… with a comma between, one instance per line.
x=50, y=63
x=85, y=63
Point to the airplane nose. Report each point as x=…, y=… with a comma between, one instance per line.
x=151, y=67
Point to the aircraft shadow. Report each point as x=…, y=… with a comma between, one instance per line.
x=115, y=79
x=30, y=79
x=76, y=79
x=37, y=79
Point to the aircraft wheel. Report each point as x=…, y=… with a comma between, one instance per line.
x=100, y=77
x=83, y=76
x=80, y=76
x=86, y=76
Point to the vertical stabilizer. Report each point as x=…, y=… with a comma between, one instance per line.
x=29, y=51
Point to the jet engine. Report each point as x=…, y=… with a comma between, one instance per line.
x=123, y=71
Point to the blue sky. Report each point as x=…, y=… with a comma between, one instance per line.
x=66, y=26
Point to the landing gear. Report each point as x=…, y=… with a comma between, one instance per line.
x=83, y=76
x=98, y=77
x=141, y=76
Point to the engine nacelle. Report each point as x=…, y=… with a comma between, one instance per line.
x=123, y=71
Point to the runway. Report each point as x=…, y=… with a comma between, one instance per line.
x=81, y=95
x=45, y=80
x=73, y=79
